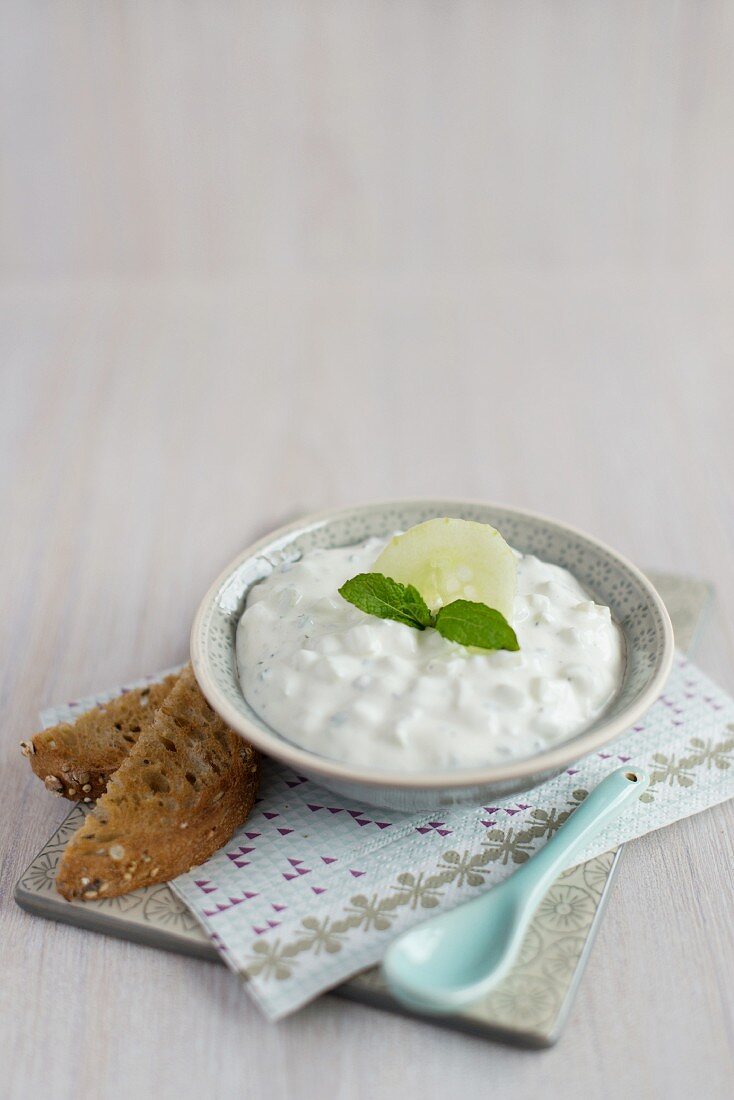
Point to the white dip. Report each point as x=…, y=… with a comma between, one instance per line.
x=375, y=693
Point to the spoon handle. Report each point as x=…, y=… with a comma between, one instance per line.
x=605, y=802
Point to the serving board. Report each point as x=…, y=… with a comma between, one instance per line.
x=529, y=1008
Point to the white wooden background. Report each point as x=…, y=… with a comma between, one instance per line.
x=263, y=257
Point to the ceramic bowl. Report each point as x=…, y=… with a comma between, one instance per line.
x=611, y=580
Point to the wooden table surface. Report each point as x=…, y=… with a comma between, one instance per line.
x=263, y=258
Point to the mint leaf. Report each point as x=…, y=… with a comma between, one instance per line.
x=475, y=624
x=387, y=599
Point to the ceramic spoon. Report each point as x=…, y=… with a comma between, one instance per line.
x=453, y=959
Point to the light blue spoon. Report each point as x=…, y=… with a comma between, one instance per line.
x=451, y=960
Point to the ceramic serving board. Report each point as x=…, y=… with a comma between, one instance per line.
x=528, y=1008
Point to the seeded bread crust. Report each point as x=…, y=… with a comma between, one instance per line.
x=178, y=796
x=76, y=759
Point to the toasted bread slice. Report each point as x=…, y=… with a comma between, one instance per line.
x=184, y=788
x=76, y=759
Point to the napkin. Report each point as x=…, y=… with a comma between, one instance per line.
x=313, y=888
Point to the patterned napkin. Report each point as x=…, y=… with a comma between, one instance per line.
x=312, y=888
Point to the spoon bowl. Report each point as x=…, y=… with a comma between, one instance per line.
x=444, y=964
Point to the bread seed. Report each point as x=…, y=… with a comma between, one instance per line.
x=27, y=748
x=117, y=851
x=87, y=787
x=85, y=881
x=52, y=744
x=71, y=792
x=53, y=784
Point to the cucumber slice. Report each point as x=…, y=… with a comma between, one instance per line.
x=453, y=559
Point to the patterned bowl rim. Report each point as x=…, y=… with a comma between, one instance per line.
x=554, y=759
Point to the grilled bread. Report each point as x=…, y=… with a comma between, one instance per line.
x=76, y=759
x=185, y=786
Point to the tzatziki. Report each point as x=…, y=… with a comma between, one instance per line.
x=378, y=694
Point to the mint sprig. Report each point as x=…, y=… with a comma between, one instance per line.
x=463, y=621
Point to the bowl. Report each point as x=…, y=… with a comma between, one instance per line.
x=611, y=580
